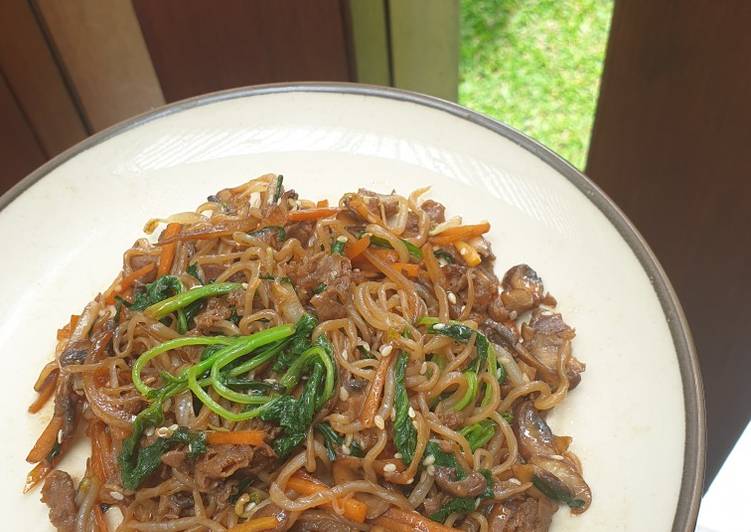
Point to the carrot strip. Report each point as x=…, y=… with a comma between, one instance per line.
x=311, y=214
x=126, y=282
x=36, y=475
x=373, y=397
x=393, y=526
x=355, y=249
x=463, y=232
x=46, y=441
x=411, y=270
x=45, y=392
x=99, y=521
x=353, y=509
x=168, y=250
x=256, y=525
x=322, y=203
x=468, y=253
x=240, y=437
x=417, y=521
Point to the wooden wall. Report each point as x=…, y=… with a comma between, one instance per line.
x=671, y=146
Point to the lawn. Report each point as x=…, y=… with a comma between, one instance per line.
x=536, y=65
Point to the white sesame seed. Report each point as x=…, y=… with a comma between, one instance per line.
x=346, y=450
x=149, y=431
x=556, y=457
x=343, y=393
x=386, y=350
x=442, y=262
x=389, y=468
x=424, y=368
x=451, y=297
x=411, y=412
x=270, y=381
x=379, y=422
x=162, y=432
x=245, y=286
x=477, y=503
x=429, y=460
x=515, y=481
x=439, y=326
x=410, y=481
x=60, y=436
x=341, y=238
x=463, y=251
x=398, y=455
x=250, y=506
x=173, y=427
x=431, y=470
x=348, y=439
x=356, y=270
x=117, y=495
x=345, y=354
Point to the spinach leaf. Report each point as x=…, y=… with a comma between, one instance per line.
x=334, y=441
x=444, y=459
x=414, y=251
x=281, y=234
x=337, y=248
x=297, y=344
x=462, y=505
x=162, y=288
x=278, y=190
x=320, y=288
x=445, y=255
x=478, y=434
x=488, y=483
x=405, y=434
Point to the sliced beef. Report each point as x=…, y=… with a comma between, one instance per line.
x=139, y=261
x=456, y=277
x=59, y=494
x=316, y=520
x=472, y=485
x=522, y=514
x=174, y=458
x=302, y=231
x=272, y=510
x=433, y=503
x=217, y=309
x=449, y=417
x=486, y=289
x=220, y=462
x=435, y=211
x=333, y=271
x=328, y=305
x=179, y=505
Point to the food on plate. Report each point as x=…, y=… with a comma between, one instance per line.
x=275, y=363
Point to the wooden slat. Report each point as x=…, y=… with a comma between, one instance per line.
x=370, y=41
x=36, y=80
x=20, y=151
x=102, y=50
x=425, y=46
x=671, y=146
x=199, y=46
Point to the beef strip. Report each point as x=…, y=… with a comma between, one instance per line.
x=139, y=261
x=59, y=494
x=217, y=309
x=522, y=514
x=316, y=520
x=302, y=231
x=221, y=461
x=436, y=212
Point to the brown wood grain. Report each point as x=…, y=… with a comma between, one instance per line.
x=20, y=151
x=101, y=49
x=199, y=46
x=672, y=146
x=36, y=80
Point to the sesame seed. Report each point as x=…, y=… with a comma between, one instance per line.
x=244, y=285
x=442, y=262
x=150, y=431
x=343, y=393
x=162, y=432
x=173, y=427
x=452, y=298
x=515, y=481
x=398, y=455
x=250, y=506
x=386, y=350
x=346, y=450
x=379, y=422
x=341, y=238
x=556, y=457
x=411, y=412
x=431, y=470
x=345, y=354
x=439, y=326
x=60, y=436
x=389, y=468
x=117, y=495
x=356, y=270
x=269, y=381
x=429, y=460
x=410, y=481
x=424, y=368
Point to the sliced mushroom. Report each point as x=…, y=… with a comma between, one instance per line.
x=522, y=288
x=559, y=480
x=472, y=485
x=532, y=432
x=545, y=338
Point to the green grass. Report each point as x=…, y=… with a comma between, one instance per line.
x=536, y=65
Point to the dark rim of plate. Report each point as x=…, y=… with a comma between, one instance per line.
x=695, y=446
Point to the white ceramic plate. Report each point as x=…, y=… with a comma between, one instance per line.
x=637, y=417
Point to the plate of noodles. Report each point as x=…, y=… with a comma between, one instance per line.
x=337, y=307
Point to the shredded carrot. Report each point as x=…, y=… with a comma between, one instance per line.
x=410, y=270
x=322, y=203
x=45, y=392
x=126, y=282
x=462, y=232
x=256, y=525
x=64, y=333
x=416, y=521
x=46, y=441
x=393, y=526
x=304, y=215
x=353, y=509
x=240, y=437
x=168, y=250
x=468, y=253
x=358, y=205
x=373, y=397
x=355, y=249
x=99, y=521
x=36, y=475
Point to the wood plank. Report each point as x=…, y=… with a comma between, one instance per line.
x=199, y=47
x=36, y=80
x=425, y=46
x=671, y=146
x=20, y=151
x=103, y=52
x=370, y=41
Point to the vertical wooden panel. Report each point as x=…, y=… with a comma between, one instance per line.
x=102, y=50
x=20, y=151
x=370, y=41
x=425, y=46
x=671, y=146
x=36, y=80
x=200, y=47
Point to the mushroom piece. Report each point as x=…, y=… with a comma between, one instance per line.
x=522, y=289
x=532, y=432
x=545, y=338
x=559, y=480
x=472, y=485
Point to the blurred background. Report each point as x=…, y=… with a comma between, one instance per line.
x=649, y=97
